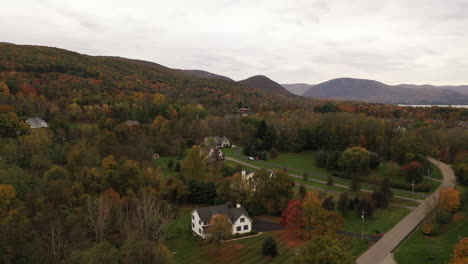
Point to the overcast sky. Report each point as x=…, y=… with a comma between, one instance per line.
x=393, y=41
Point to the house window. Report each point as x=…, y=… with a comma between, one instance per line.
x=242, y=220
x=239, y=228
x=193, y=217
x=199, y=231
x=193, y=225
x=199, y=222
x=246, y=227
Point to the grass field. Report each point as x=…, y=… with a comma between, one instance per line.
x=420, y=249
x=162, y=163
x=380, y=222
x=186, y=249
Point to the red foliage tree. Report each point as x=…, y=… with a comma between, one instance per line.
x=292, y=216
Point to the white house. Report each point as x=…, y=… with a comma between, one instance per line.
x=215, y=155
x=220, y=142
x=238, y=217
x=36, y=122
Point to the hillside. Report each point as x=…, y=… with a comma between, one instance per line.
x=297, y=88
x=377, y=92
x=57, y=73
x=459, y=88
x=204, y=74
x=266, y=84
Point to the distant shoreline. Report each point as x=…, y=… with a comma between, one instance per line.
x=454, y=106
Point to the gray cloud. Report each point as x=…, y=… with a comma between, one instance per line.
x=398, y=41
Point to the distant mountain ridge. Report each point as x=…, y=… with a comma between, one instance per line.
x=266, y=84
x=204, y=74
x=378, y=92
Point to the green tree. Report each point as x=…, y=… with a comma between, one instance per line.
x=194, y=165
x=461, y=171
x=101, y=253
x=270, y=248
x=354, y=161
x=177, y=167
x=170, y=164
x=323, y=250
x=274, y=153
x=343, y=203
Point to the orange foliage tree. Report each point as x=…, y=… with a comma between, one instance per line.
x=460, y=252
x=449, y=199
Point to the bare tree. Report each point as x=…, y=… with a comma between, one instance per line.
x=56, y=239
x=150, y=214
x=100, y=212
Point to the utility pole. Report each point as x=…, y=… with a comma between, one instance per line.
x=412, y=188
x=362, y=224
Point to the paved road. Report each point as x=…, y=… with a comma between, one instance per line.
x=324, y=182
x=381, y=252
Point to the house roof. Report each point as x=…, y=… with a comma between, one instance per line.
x=217, y=139
x=205, y=213
x=35, y=122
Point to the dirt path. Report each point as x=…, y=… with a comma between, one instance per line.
x=381, y=252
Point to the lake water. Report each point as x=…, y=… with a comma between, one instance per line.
x=456, y=106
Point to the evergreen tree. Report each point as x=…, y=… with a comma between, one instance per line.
x=274, y=153
x=170, y=164
x=343, y=203
x=270, y=248
x=177, y=166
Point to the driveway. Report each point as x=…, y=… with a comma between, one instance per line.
x=262, y=225
x=381, y=252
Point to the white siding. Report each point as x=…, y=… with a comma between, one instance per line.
x=245, y=226
x=197, y=224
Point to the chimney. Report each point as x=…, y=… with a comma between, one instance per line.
x=238, y=205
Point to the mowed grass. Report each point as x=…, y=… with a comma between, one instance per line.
x=381, y=221
x=186, y=248
x=162, y=163
x=421, y=249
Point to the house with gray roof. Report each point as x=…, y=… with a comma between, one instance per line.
x=36, y=122
x=220, y=142
x=238, y=217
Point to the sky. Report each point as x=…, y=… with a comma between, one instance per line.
x=290, y=41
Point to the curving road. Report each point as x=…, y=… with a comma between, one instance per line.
x=381, y=252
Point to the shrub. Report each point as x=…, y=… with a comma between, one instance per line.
x=328, y=203
x=444, y=217
x=270, y=248
x=170, y=164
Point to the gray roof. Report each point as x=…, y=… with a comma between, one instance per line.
x=205, y=213
x=217, y=139
x=36, y=122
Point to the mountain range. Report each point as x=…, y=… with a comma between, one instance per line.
x=33, y=63
x=378, y=92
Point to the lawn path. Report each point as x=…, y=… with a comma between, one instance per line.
x=322, y=182
x=380, y=251
x=369, y=186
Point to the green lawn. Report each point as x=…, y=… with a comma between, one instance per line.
x=381, y=221
x=186, y=249
x=437, y=249
x=162, y=163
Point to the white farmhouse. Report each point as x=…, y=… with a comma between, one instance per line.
x=238, y=217
x=36, y=122
x=220, y=142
